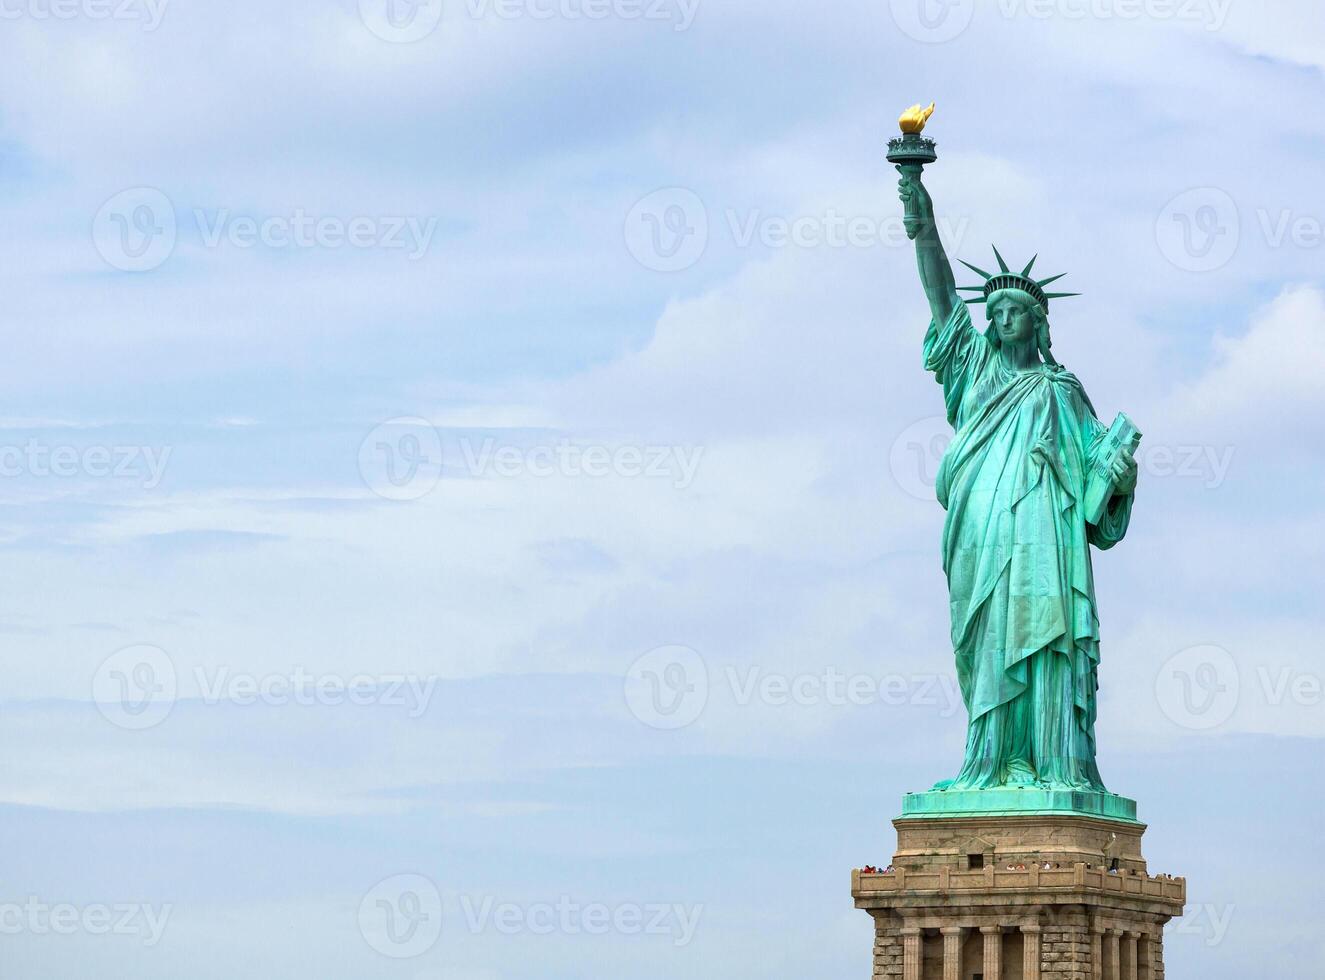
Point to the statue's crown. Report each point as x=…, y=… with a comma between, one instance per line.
x=1005, y=278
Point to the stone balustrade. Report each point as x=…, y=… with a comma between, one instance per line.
x=1074, y=878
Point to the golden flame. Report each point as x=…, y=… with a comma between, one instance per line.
x=913, y=119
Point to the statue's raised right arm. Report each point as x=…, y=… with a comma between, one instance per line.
x=935, y=270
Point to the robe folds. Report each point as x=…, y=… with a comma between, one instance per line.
x=1016, y=552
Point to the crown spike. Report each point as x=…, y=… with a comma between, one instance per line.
x=977, y=299
x=1057, y=295
x=976, y=269
x=1045, y=282
x=1027, y=271
x=1003, y=266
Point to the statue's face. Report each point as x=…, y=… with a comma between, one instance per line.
x=1013, y=321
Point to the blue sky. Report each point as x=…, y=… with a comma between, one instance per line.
x=392, y=396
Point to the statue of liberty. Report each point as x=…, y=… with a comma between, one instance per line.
x=1017, y=481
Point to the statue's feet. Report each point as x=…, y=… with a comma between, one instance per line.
x=1021, y=773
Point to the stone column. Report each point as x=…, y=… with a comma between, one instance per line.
x=1112, y=951
x=1030, y=938
x=952, y=952
x=1096, y=952
x=1131, y=961
x=1144, y=966
x=993, y=952
x=912, y=950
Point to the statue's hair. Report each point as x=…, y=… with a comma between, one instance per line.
x=1042, y=338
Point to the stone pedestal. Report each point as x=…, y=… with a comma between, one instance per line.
x=970, y=896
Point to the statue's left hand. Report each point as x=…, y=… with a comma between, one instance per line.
x=1124, y=473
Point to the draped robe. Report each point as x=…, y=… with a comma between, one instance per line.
x=1017, y=558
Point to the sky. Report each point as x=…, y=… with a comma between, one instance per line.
x=466, y=469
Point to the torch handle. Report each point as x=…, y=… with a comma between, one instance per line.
x=911, y=217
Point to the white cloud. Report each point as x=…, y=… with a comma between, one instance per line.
x=1266, y=381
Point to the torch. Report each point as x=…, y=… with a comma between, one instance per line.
x=910, y=152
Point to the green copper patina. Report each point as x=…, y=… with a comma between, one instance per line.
x=1016, y=541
